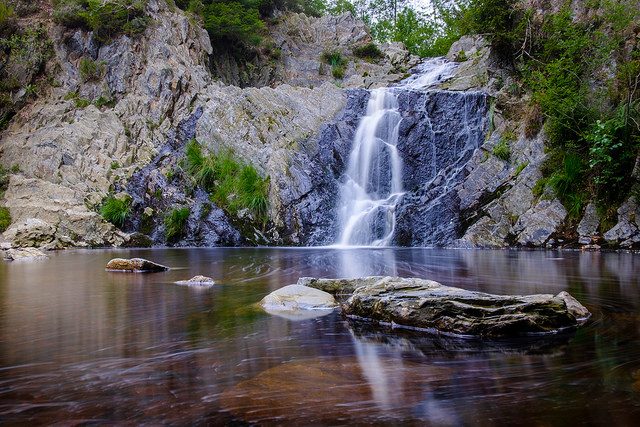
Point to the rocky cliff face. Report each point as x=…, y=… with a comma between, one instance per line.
x=123, y=130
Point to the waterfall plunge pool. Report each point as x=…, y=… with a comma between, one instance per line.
x=80, y=345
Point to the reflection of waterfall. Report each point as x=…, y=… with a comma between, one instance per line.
x=372, y=185
x=362, y=262
x=373, y=180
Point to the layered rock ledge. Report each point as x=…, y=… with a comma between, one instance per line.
x=431, y=306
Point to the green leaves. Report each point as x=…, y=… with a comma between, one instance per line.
x=232, y=22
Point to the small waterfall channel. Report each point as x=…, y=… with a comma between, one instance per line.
x=372, y=185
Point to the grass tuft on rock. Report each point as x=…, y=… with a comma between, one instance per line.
x=5, y=218
x=175, y=223
x=116, y=211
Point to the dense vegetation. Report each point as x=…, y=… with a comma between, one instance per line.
x=584, y=81
x=107, y=19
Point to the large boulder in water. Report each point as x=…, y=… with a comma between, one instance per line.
x=425, y=304
x=135, y=265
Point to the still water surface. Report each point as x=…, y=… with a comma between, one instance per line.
x=79, y=345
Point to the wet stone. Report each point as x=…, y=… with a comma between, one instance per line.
x=430, y=306
x=135, y=265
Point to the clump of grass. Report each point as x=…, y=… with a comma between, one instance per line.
x=175, y=222
x=116, y=211
x=232, y=185
x=368, y=52
x=5, y=218
x=502, y=150
x=334, y=58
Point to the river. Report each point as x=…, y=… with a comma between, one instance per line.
x=80, y=345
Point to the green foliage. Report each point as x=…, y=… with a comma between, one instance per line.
x=334, y=58
x=232, y=22
x=233, y=186
x=502, y=150
x=4, y=180
x=369, y=52
x=116, y=211
x=89, y=70
x=7, y=19
x=106, y=18
x=600, y=127
x=81, y=103
x=5, y=218
x=175, y=222
x=567, y=184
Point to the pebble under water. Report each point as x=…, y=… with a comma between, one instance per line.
x=80, y=345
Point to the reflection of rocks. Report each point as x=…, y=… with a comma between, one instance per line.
x=197, y=281
x=407, y=340
x=296, y=301
x=425, y=304
x=315, y=392
x=136, y=265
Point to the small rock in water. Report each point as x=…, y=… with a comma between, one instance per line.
x=24, y=253
x=298, y=302
x=197, y=281
x=135, y=265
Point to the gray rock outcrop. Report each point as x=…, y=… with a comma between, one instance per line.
x=425, y=304
x=24, y=254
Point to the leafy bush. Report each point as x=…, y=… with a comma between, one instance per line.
x=106, y=18
x=232, y=22
x=369, y=52
x=116, y=211
x=89, y=70
x=175, y=222
x=7, y=19
x=334, y=58
x=5, y=218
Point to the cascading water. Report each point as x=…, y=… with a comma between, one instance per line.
x=372, y=185
x=373, y=180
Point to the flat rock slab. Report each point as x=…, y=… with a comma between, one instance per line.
x=197, y=281
x=134, y=265
x=298, y=302
x=428, y=305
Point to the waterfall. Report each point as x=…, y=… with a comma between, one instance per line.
x=372, y=184
x=373, y=181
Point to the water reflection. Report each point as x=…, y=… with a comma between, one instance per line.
x=78, y=343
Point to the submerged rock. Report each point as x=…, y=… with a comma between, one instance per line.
x=295, y=301
x=425, y=304
x=197, y=281
x=135, y=265
x=24, y=253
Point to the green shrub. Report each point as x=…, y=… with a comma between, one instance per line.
x=89, y=70
x=116, y=211
x=175, y=222
x=369, y=52
x=5, y=218
x=334, y=58
x=7, y=19
x=106, y=18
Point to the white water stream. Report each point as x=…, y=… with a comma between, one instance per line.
x=372, y=185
